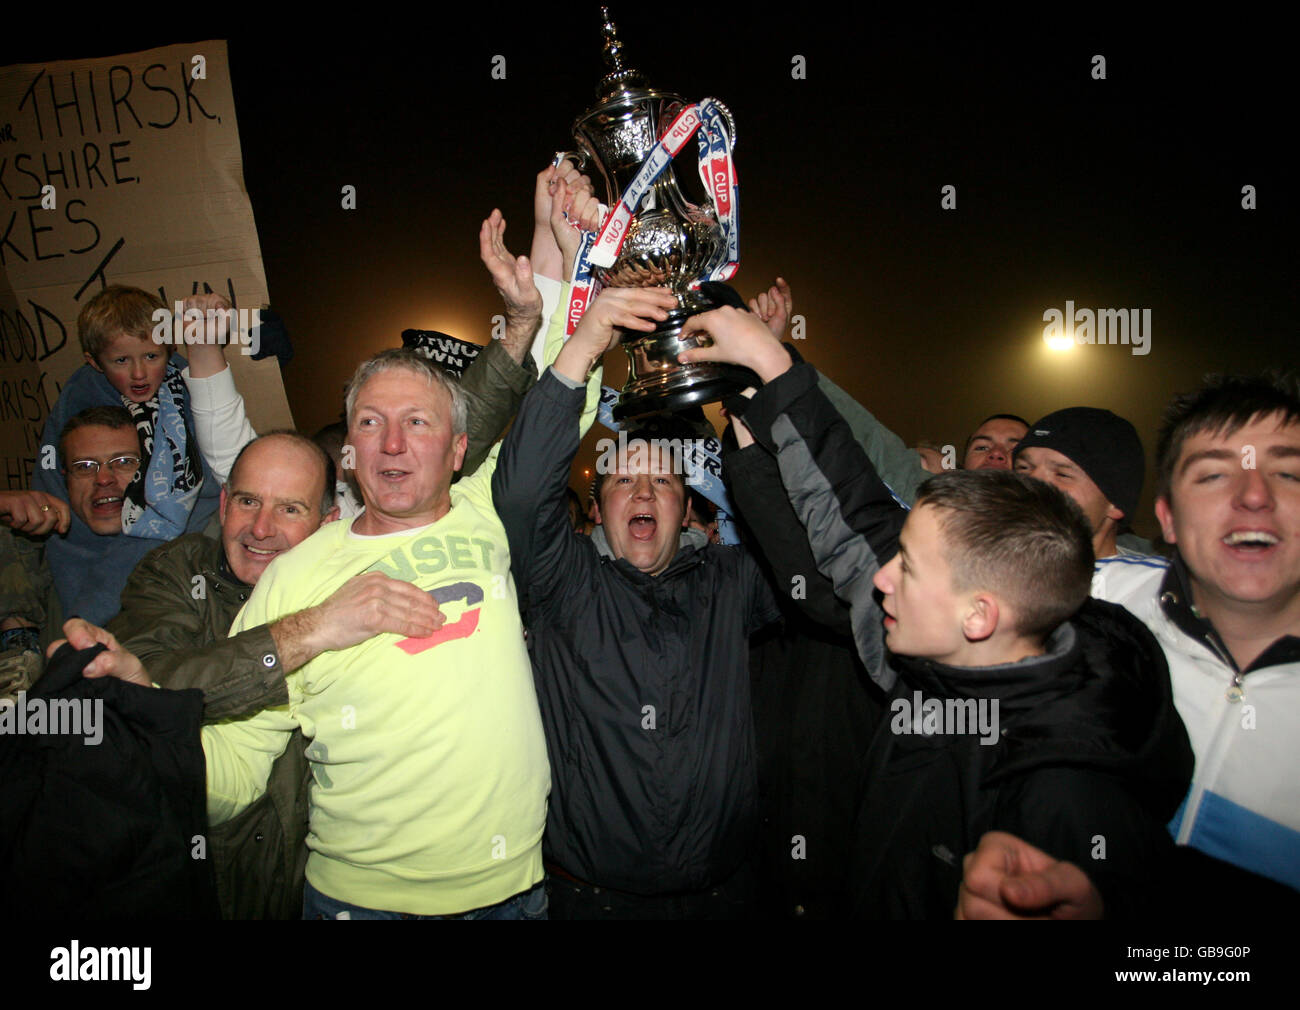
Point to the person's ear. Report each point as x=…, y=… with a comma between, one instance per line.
x=330, y=516
x=462, y=443
x=1166, y=516
x=982, y=616
x=595, y=512
x=90, y=360
x=1114, y=513
x=221, y=505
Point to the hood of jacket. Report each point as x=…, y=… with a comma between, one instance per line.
x=1099, y=698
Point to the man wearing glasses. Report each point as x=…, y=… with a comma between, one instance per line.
x=99, y=457
x=101, y=454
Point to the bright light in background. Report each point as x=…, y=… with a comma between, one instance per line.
x=463, y=327
x=1058, y=343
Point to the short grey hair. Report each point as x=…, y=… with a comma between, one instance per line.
x=405, y=360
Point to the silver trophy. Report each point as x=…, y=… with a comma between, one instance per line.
x=669, y=241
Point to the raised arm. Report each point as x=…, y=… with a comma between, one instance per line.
x=754, y=484
x=898, y=465
x=494, y=386
x=851, y=518
x=497, y=380
x=221, y=423
x=533, y=469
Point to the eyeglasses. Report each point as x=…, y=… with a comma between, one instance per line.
x=122, y=466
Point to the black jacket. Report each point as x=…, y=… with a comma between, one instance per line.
x=1089, y=760
x=642, y=681
x=1089, y=764
x=113, y=829
x=815, y=711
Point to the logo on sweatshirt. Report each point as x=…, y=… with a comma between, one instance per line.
x=472, y=594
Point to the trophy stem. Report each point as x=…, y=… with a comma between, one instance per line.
x=658, y=383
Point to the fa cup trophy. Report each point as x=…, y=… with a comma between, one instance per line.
x=653, y=235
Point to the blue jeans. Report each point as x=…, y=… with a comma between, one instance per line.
x=530, y=904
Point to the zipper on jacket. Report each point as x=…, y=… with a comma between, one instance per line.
x=1208, y=766
x=1236, y=689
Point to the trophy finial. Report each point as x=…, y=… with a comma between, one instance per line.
x=619, y=79
x=613, y=47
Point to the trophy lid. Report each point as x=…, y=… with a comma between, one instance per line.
x=622, y=85
x=619, y=81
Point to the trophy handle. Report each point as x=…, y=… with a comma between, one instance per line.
x=579, y=158
x=731, y=120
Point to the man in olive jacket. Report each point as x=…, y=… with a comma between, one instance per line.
x=181, y=600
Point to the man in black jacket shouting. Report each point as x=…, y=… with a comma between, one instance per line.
x=1014, y=704
x=640, y=660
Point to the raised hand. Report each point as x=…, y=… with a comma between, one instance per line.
x=615, y=308
x=547, y=257
x=774, y=306
x=574, y=209
x=512, y=276
x=208, y=356
x=737, y=337
x=215, y=309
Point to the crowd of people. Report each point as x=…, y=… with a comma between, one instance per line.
x=403, y=670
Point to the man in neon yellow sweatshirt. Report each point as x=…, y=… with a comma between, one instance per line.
x=429, y=765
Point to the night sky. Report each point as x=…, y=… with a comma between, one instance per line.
x=1116, y=193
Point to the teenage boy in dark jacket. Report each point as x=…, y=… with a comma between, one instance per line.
x=1006, y=712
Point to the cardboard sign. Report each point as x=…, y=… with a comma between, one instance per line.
x=123, y=170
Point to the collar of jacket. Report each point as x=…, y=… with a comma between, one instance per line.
x=1020, y=685
x=686, y=559
x=1176, y=603
x=226, y=574
x=1099, y=697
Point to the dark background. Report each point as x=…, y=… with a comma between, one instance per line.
x=1122, y=193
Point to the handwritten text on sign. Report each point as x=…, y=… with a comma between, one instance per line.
x=123, y=170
